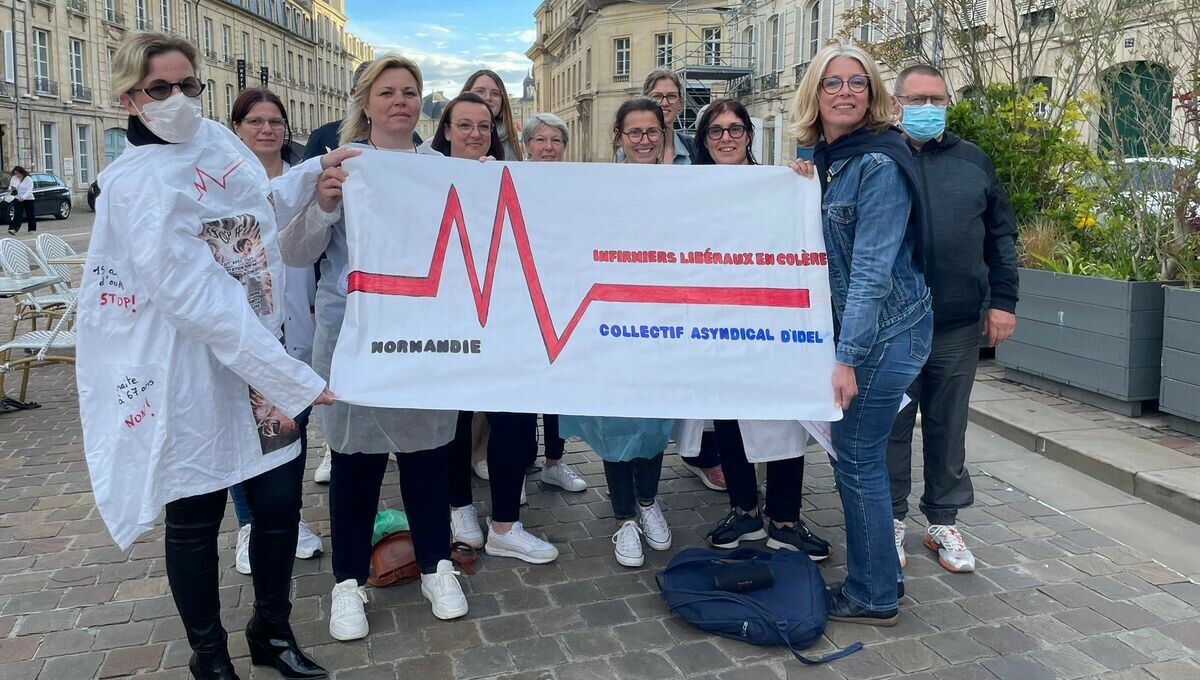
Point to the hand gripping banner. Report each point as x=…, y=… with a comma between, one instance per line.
x=589, y=289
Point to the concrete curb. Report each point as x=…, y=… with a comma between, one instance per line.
x=1154, y=473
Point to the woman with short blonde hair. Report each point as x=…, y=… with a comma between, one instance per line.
x=872, y=224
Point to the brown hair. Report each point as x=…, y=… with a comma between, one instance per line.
x=703, y=157
x=441, y=143
x=256, y=95
x=633, y=106
x=505, y=117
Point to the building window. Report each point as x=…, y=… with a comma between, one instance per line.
x=621, y=59
x=773, y=31
x=814, y=29
x=77, y=77
x=164, y=15
x=143, y=23
x=187, y=19
x=83, y=153
x=226, y=42
x=262, y=52
x=712, y=46
x=41, y=62
x=663, y=50
x=228, y=101
x=212, y=99
x=49, y=147
x=110, y=11
x=245, y=46
x=208, y=37
x=275, y=59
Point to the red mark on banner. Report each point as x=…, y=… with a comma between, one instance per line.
x=509, y=203
x=202, y=186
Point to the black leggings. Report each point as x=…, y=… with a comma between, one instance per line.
x=24, y=211
x=354, y=500
x=785, y=478
x=193, y=524
x=511, y=448
x=552, y=443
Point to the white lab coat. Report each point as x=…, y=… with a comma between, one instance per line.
x=179, y=316
x=764, y=440
x=299, y=301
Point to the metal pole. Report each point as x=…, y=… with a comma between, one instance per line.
x=938, y=28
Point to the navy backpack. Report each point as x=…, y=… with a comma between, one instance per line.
x=793, y=611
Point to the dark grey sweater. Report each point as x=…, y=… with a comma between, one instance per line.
x=970, y=233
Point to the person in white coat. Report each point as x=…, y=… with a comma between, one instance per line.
x=184, y=387
x=384, y=111
x=20, y=187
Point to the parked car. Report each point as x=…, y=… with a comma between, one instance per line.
x=1150, y=182
x=51, y=198
x=93, y=192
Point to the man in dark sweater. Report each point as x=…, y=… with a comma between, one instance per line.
x=971, y=268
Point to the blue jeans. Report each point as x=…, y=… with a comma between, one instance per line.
x=240, y=507
x=860, y=439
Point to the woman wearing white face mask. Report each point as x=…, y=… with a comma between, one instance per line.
x=184, y=388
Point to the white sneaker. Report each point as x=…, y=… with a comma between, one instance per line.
x=308, y=544
x=520, y=544
x=562, y=476
x=443, y=592
x=952, y=551
x=323, y=472
x=241, y=555
x=464, y=526
x=480, y=468
x=347, y=617
x=628, y=544
x=654, y=526
x=524, y=498
x=898, y=530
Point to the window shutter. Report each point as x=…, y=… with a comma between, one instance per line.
x=826, y=22
x=763, y=47
x=798, y=34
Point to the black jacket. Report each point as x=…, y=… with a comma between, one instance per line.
x=971, y=233
x=325, y=138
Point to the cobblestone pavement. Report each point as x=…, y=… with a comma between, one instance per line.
x=1052, y=597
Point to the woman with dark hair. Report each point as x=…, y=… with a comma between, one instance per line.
x=21, y=187
x=466, y=130
x=489, y=87
x=632, y=448
x=260, y=120
x=724, y=136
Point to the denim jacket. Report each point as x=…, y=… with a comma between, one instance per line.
x=878, y=289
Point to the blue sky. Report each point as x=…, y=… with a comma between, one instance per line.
x=450, y=39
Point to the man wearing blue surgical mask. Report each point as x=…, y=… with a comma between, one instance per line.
x=970, y=260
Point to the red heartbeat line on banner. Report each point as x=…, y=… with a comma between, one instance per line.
x=509, y=203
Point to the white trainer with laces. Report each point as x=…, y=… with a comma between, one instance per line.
x=308, y=544
x=563, y=476
x=947, y=542
x=464, y=526
x=898, y=530
x=325, y=470
x=444, y=592
x=520, y=544
x=654, y=526
x=628, y=544
x=347, y=616
x=241, y=554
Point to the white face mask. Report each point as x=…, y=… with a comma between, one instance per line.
x=175, y=119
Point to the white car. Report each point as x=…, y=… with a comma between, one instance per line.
x=1151, y=183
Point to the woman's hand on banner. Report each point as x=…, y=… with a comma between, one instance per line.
x=325, y=398
x=806, y=169
x=333, y=159
x=485, y=159
x=329, y=188
x=845, y=386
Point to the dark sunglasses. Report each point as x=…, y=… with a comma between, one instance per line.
x=161, y=89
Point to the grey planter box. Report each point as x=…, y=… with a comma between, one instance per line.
x=1095, y=340
x=1181, y=358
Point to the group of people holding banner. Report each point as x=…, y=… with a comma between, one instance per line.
x=195, y=328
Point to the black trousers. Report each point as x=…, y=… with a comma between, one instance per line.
x=511, y=448
x=785, y=478
x=631, y=481
x=943, y=392
x=552, y=443
x=710, y=453
x=354, y=500
x=24, y=211
x=193, y=524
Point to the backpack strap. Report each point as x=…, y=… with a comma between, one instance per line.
x=781, y=625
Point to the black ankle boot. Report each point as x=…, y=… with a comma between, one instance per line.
x=274, y=645
x=842, y=609
x=214, y=667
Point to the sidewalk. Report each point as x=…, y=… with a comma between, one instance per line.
x=1140, y=456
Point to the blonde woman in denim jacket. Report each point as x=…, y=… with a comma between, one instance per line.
x=883, y=310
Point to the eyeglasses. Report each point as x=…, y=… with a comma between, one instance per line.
x=923, y=99
x=668, y=98
x=257, y=122
x=466, y=128
x=715, y=133
x=636, y=135
x=485, y=93
x=161, y=89
x=834, y=84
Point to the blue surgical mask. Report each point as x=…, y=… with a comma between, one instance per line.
x=923, y=123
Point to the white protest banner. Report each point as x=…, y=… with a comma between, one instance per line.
x=591, y=289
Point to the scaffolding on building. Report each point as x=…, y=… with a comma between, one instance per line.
x=718, y=54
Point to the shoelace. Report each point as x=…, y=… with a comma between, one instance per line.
x=568, y=471
x=627, y=535
x=728, y=521
x=443, y=579
x=949, y=538
x=342, y=603
x=654, y=518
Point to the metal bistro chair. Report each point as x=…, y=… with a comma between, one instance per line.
x=39, y=348
x=49, y=247
x=17, y=258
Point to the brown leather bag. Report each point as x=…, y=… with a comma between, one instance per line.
x=393, y=560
